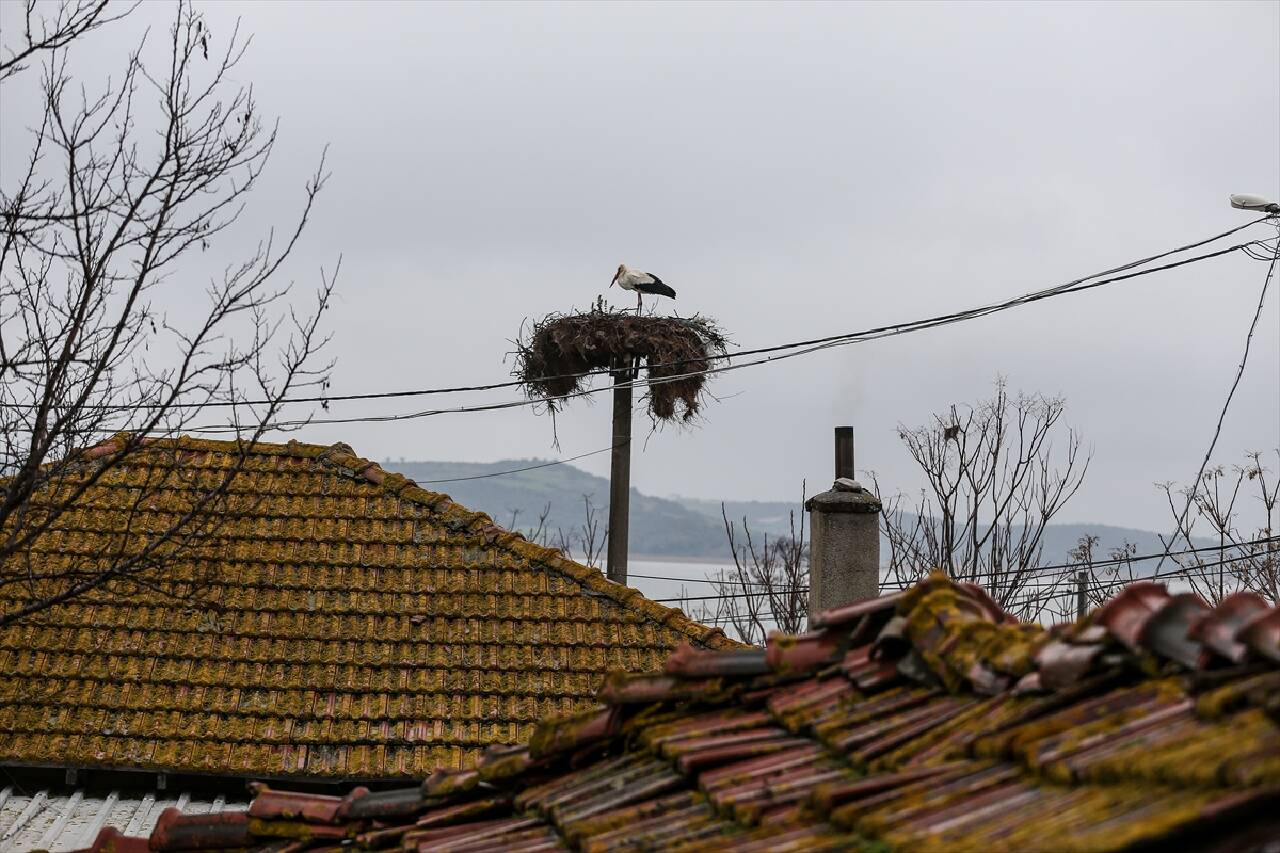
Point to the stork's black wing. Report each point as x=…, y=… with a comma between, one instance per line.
x=655, y=286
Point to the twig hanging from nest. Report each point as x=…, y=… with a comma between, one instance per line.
x=560, y=346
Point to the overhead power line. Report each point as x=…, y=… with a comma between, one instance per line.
x=1065, y=588
x=774, y=353
x=1083, y=283
x=490, y=474
x=728, y=596
x=1226, y=404
x=1033, y=296
x=1124, y=561
x=693, y=580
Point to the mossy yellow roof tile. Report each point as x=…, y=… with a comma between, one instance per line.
x=328, y=619
x=852, y=738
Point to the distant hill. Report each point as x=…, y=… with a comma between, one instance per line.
x=659, y=527
x=773, y=517
x=669, y=527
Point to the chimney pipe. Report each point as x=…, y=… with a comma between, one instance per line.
x=844, y=452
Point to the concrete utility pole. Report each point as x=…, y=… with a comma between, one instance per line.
x=844, y=537
x=620, y=471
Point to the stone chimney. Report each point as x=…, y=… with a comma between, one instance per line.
x=844, y=537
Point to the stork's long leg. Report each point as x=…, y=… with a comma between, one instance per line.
x=639, y=297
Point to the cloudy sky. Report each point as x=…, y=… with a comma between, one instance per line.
x=793, y=171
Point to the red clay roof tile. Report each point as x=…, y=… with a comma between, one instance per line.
x=1141, y=731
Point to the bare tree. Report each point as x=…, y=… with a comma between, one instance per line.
x=993, y=484
x=1247, y=556
x=587, y=542
x=127, y=184
x=767, y=588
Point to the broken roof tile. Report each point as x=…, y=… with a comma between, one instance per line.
x=1262, y=635
x=1219, y=628
x=286, y=805
x=1125, y=615
x=176, y=831
x=786, y=653
x=851, y=613
x=1169, y=629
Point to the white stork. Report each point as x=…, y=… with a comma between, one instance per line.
x=641, y=283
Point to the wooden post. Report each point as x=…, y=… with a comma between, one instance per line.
x=1082, y=604
x=620, y=472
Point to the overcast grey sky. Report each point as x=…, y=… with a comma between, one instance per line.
x=793, y=171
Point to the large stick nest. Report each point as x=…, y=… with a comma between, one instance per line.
x=562, y=346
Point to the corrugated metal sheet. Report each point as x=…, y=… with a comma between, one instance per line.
x=71, y=821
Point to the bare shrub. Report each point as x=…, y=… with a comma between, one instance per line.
x=1235, y=507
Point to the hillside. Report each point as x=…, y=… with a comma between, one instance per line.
x=1059, y=539
x=669, y=527
x=659, y=527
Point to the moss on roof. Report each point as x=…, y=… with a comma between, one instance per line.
x=337, y=620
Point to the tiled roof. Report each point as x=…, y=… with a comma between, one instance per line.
x=335, y=621
x=927, y=720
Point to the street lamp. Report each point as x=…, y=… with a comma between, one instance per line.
x=1246, y=201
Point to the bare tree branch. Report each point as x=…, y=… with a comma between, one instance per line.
x=120, y=186
x=42, y=34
